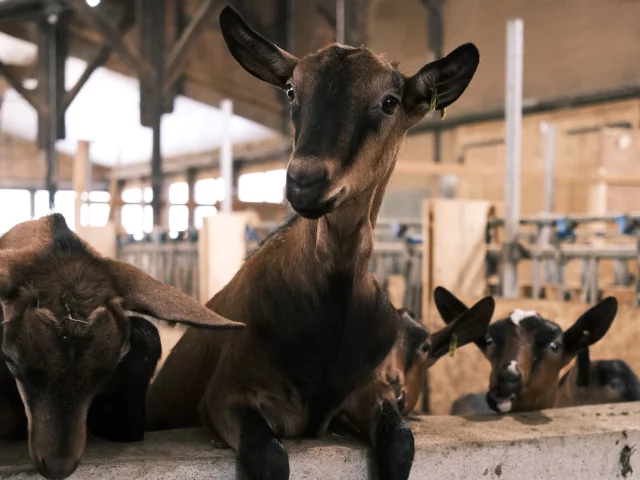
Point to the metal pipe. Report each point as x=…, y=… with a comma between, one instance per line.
x=53, y=119
x=226, y=155
x=513, y=115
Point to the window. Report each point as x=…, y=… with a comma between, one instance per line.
x=17, y=208
x=136, y=216
x=133, y=219
x=178, y=193
x=209, y=191
x=178, y=218
x=201, y=213
x=262, y=187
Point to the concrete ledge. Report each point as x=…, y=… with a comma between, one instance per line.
x=585, y=443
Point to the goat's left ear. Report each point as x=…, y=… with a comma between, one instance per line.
x=590, y=327
x=148, y=297
x=468, y=327
x=448, y=305
x=438, y=84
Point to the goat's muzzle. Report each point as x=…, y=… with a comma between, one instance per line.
x=508, y=388
x=57, y=468
x=307, y=192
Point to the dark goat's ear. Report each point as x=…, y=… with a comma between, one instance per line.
x=438, y=84
x=448, y=305
x=256, y=54
x=146, y=297
x=590, y=327
x=471, y=326
x=583, y=364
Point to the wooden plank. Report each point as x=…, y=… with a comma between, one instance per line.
x=222, y=247
x=459, y=245
x=427, y=261
x=81, y=176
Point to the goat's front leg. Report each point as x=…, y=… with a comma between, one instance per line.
x=375, y=413
x=118, y=414
x=261, y=454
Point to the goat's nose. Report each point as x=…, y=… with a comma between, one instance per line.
x=509, y=382
x=58, y=467
x=306, y=178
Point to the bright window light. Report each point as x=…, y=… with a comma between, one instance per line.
x=65, y=204
x=93, y=3
x=132, y=195
x=209, y=191
x=178, y=193
x=262, y=186
x=20, y=210
x=99, y=197
x=132, y=219
x=201, y=213
x=178, y=218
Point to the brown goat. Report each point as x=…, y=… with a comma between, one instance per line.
x=318, y=326
x=601, y=381
x=416, y=350
x=527, y=352
x=78, y=349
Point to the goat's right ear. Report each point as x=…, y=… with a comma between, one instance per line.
x=448, y=305
x=256, y=54
x=148, y=297
x=589, y=328
x=438, y=84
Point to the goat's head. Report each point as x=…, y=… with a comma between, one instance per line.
x=527, y=352
x=350, y=109
x=66, y=327
x=600, y=381
x=416, y=350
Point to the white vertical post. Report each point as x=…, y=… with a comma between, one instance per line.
x=81, y=179
x=340, y=15
x=513, y=138
x=226, y=155
x=549, y=131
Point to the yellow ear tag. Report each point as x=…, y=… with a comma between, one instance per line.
x=586, y=333
x=453, y=344
x=432, y=107
x=443, y=113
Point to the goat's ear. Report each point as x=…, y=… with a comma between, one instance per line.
x=448, y=305
x=583, y=364
x=471, y=326
x=256, y=54
x=589, y=328
x=438, y=84
x=147, y=297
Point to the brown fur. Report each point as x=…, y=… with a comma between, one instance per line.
x=76, y=348
x=318, y=326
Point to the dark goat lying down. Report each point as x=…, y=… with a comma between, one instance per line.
x=77, y=344
x=416, y=349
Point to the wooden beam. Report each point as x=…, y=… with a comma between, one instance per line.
x=177, y=60
x=30, y=96
x=97, y=60
x=112, y=37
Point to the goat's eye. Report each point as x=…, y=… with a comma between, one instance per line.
x=389, y=104
x=554, y=346
x=488, y=340
x=424, y=348
x=616, y=384
x=289, y=91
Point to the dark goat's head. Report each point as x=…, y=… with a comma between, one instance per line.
x=350, y=110
x=597, y=382
x=527, y=352
x=416, y=350
x=67, y=326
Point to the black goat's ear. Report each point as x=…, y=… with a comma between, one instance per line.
x=471, y=326
x=256, y=54
x=146, y=297
x=438, y=84
x=448, y=305
x=589, y=328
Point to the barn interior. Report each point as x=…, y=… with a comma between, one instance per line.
x=133, y=120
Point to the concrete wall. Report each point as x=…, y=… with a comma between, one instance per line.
x=587, y=443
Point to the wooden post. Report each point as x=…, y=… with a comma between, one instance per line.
x=81, y=177
x=226, y=155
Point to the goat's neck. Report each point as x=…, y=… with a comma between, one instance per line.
x=344, y=239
